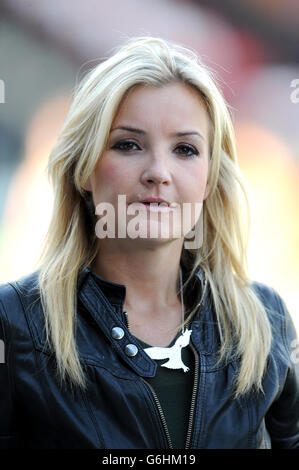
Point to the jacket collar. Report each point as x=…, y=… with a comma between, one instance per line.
x=116, y=293
x=96, y=295
x=105, y=299
x=107, y=318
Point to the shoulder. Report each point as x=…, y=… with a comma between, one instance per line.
x=23, y=283
x=26, y=285
x=271, y=300
x=268, y=296
x=277, y=311
x=15, y=295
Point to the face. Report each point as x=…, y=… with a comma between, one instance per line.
x=158, y=147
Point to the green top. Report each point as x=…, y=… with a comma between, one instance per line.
x=173, y=388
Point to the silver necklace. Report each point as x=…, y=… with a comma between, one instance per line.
x=173, y=353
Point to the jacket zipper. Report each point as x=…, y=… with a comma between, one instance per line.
x=196, y=379
x=192, y=407
x=160, y=412
x=193, y=398
x=155, y=398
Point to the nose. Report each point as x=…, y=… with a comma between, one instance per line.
x=156, y=172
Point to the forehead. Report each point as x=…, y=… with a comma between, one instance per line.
x=173, y=104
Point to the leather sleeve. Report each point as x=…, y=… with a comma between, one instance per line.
x=7, y=435
x=282, y=420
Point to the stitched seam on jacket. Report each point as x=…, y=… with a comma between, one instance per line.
x=251, y=436
x=37, y=359
x=12, y=355
x=93, y=419
x=30, y=324
x=283, y=321
x=200, y=401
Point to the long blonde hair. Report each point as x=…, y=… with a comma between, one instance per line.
x=71, y=244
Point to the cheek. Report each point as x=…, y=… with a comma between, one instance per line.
x=195, y=184
x=110, y=176
x=108, y=171
x=110, y=179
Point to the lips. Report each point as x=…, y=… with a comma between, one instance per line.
x=155, y=200
x=157, y=203
x=146, y=203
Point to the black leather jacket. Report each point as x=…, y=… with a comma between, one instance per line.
x=119, y=409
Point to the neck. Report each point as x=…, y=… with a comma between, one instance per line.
x=151, y=276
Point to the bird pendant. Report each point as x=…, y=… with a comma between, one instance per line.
x=173, y=353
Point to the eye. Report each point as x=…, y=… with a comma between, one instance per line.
x=124, y=145
x=187, y=150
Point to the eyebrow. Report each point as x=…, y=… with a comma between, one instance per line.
x=140, y=131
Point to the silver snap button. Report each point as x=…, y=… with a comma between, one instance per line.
x=131, y=350
x=117, y=332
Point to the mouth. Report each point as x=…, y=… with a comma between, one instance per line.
x=158, y=205
x=155, y=201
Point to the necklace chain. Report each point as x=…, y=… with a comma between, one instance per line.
x=182, y=300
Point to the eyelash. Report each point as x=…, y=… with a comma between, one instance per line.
x=187, y=146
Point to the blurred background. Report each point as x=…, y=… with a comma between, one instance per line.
x=252, y=45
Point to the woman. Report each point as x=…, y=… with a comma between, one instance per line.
x=130, y=335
